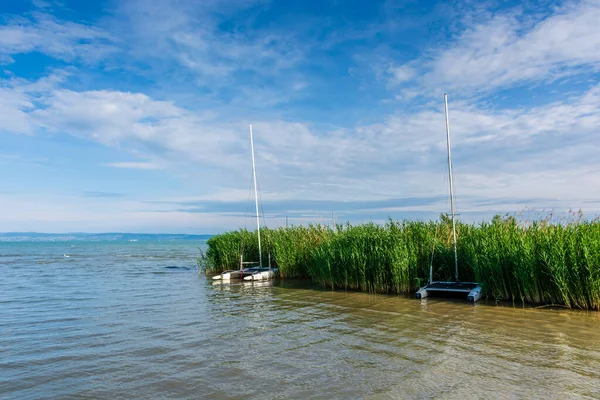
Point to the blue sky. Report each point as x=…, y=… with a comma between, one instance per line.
x=133, y=116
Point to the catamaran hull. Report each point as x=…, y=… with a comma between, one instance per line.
x=474, y=295
x=259, y=276
x=472, y=290
x=228, y=275
x=422, y=293
x=238, y=274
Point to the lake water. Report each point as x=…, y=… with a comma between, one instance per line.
x=134, y=319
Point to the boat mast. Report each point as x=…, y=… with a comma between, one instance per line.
x=256, y=198
x=451, y=187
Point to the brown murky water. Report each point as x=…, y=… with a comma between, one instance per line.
x=134, y=322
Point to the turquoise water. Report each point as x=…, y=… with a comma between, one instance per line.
x=80, y=316
x=120, y=318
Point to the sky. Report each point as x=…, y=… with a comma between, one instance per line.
x=132, y=116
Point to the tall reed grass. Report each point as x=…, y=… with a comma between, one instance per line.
x=538, y=262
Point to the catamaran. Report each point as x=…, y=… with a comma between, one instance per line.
x=252, y=273
x=471, y=289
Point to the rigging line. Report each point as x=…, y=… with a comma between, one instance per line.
x=268, y=244
x=248, y=202
x=453, y=186
x=443, y=177
x=450, y=174
x=246, y=215
x=446, y=185
x=260, y=203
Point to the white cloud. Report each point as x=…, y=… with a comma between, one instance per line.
x=508, y=49
x=401, y=74
x=521, y=154
x=137, y=123
x=134, y=165
x=61, y=39
x=191, y=35
x=14, y=106
x=42, y=4
x=17, y=98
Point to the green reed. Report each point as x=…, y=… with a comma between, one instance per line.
x=536, y=262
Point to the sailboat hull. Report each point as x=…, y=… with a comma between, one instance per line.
x=235, y=274
x=262, y=275
x=254, y=273
x=228, y=275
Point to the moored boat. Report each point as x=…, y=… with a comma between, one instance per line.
x=257, y=272
x=472, y=290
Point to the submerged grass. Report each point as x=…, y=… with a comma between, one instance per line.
x=538, y=263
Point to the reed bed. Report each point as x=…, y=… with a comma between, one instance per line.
x=536, y=262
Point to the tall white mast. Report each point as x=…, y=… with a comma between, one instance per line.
x=451, y=187
x=256, y=198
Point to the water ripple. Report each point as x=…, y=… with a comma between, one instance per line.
x=138, y=321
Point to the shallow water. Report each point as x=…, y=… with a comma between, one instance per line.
x=136, y=320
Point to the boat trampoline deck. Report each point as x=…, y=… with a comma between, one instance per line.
x=452, y=286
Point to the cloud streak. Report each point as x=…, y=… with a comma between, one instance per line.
x=134, y=165
x=509, y=49
x=102, y=195
x=42, y=32
x=515, y=153
x=218, y=46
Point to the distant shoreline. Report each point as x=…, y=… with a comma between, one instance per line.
x=46, y=237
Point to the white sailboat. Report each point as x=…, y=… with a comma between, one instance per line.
x=252, y=273
x=471, y=289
